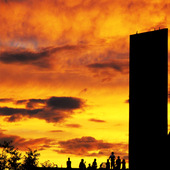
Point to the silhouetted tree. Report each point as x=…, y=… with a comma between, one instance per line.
x=3, y=160
x=48, y=164
x=31, y=159
x=13, y=161
x=10, y=157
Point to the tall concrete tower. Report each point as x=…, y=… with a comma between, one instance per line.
x=148, y=98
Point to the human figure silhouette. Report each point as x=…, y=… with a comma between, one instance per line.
x=107, y=164
x=89, y=167
x=112, y=158
x=94, y=165
x=68, y=164
x=118, y=163
x=82, y=165
x=123, y=164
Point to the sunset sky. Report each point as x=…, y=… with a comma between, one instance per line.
x=64, y=72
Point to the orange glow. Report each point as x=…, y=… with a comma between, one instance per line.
x=72, y=50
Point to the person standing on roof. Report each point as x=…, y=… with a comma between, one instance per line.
x=112, y=158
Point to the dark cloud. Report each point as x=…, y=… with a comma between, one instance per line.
x=82, y=146
x=13, y=118
x=97, y=120
x=54, y=109
x=39, y=58
x=105, y=65
x=58, y=103
x=23, y=144
x=89, y=146
x=21, y=101
x=6, y=111
x=64, y=103
x=6, y=100
x=120, y=66
x=56, y=131
x=73, y=125
x=31, y=103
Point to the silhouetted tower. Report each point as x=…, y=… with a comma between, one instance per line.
x=148, y=98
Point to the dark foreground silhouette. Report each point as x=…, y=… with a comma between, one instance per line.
x=11, y=158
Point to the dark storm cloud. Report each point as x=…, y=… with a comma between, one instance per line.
x=97, y=120
x=54, y=109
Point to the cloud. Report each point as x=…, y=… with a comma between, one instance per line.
x=120, y=66
x=64, y=103
x=89, y=146
x=18, y=56
x=23, y=143
x=82, y=146
x=32, y=103
x=53, y=109
x=21, y=101
x=73, y=125
x=97, y=120
x=6, y=100
x=56, y=131
x=6, y=111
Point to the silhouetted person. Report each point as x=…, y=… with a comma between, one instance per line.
x=94, y=165
x=118, y=163
x=82, y=165
x=123, y=164
x=107, y=164
x=112, y=158
x=68, y=164
x=89, y=167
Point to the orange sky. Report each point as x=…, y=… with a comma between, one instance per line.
x=64, y=74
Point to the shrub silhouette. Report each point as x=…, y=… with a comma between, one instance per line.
x=31, y=159
x=48, y=164
x=10, y=157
